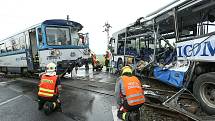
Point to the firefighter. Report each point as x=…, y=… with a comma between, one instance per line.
x=49, y=87
x=107, y=59
x=94, y=61
x=129, y=93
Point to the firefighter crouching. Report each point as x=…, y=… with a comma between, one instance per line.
x=95, y=63
x=129, y=94
x=49, y=87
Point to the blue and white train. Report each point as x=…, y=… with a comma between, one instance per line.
x=56, y=40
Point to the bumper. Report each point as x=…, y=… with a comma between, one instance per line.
x=70, y=64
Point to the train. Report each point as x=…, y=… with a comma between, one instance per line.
x=54, y=40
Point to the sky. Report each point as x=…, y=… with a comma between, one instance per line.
x=17, y=15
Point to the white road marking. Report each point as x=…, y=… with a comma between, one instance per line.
x=7, y=101
x=114, y=112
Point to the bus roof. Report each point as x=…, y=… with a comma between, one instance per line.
x=188, y=9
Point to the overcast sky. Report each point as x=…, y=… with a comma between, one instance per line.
x=17, y=15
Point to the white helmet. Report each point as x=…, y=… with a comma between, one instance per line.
x=51, y=69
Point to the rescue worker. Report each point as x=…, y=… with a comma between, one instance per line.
x=49, y=87
x=94, y=61
x=107, y=59
x=129, y=93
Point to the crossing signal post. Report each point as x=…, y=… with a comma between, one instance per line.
x=107, y=27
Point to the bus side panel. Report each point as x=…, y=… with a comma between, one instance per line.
x=200, y=49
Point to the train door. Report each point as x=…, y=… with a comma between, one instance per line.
x=32, y=54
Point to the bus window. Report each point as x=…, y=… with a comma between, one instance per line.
x=209, y=27
x=131, y=47
x=57, y=36
x=146, y=49
x=120, y=47
x=166, y=52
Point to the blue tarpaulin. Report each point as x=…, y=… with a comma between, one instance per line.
x=171, y=77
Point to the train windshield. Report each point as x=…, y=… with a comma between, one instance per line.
x=58, y=36
x=75, y=38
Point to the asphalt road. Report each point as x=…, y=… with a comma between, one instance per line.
x=85, y=97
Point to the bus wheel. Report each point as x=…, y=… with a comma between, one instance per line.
x=204, y=91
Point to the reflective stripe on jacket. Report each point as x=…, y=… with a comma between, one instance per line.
x=133, y=90
x=47, y=86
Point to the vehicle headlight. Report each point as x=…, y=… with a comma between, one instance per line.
x=86, y=52
x=54, y=52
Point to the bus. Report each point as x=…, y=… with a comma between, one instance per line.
x=176, y=46
x=55, y=40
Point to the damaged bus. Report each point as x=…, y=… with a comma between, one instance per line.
x=176, y=46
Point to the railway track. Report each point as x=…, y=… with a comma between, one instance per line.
x=151, y=111
x=157, y=112
x=177, y=105
x=80, y=83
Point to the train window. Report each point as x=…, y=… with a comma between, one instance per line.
x=40, y=37
x=81, y=40
x=22, y=42
x=58, y=36
x=9, y=47
x=86, y=39
x=75, y=38
x=15, y=44
x=3, y=48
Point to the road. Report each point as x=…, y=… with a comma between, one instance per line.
x=85, y=97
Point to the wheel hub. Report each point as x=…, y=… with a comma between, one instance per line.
x=208, y=94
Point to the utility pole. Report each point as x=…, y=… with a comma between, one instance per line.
x=107, y=27
x=67, y=17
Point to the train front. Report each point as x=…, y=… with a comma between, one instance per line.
x=64, y=45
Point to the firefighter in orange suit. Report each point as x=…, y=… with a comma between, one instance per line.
x=49, y=87
x=94, y=62
x=129, y=93
x=107, y=60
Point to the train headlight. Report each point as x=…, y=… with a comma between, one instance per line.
x=55, y=52
x=86, y=52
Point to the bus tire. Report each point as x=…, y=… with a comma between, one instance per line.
x=204, y=91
